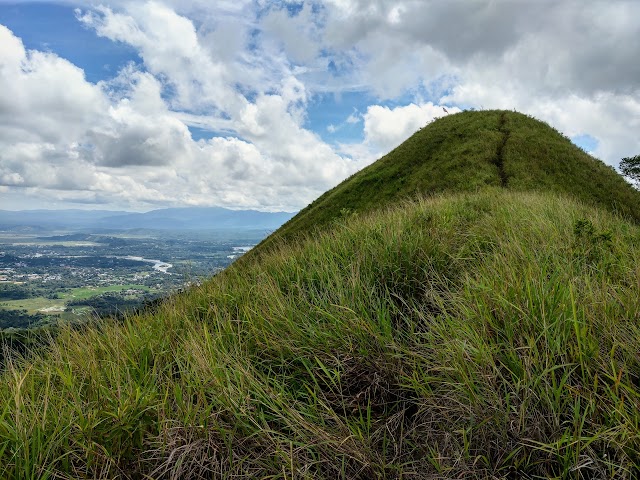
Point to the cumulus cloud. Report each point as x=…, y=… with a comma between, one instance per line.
x=128, y=138
x=572, y=44
x=272, y=122
x=386, y=128
x=298, y=35
x=169, y=46
x=542, y=58
x=39, y=92
x=247, y=72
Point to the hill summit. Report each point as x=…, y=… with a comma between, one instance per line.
x=467, y=151
x=489, y=331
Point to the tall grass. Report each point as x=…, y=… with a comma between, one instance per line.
x=483, y=335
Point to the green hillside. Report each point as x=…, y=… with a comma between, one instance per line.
x=468, y=151
x=482, y=333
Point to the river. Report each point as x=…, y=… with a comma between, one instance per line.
x=158, y=265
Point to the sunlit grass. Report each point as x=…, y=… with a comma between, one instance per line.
x=459, y=153
x=482, y=335
x=38, y=304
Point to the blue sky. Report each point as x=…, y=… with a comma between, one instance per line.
x=266, y=104
x=54, y=27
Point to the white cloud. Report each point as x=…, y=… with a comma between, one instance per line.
x=611, y=117
x=127, y=141
x=169, y=46
x=298, y=35
x=354, y=118
x=248, y=71
x=40, y=93
x=571, y=63
x=386, y=128
x=576, y=45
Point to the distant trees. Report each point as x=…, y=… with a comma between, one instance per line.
x=18, y=319
x=10, y=291
x=630, y=168
x=108, y=304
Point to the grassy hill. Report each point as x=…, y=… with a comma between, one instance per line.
x=486, y=333
x=468, y=151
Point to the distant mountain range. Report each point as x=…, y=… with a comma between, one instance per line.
x=194, y=218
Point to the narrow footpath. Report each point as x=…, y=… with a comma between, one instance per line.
x=499, y=160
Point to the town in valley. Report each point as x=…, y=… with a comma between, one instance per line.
x=51, y=276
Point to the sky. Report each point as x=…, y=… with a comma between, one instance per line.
x=266, y=104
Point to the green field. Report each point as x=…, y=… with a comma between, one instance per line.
x=37, y=304
x=87, y=292
x=33, y=305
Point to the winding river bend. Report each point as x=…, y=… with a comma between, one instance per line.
x=158, y=265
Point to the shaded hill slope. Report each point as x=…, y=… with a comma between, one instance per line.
x=467, y=151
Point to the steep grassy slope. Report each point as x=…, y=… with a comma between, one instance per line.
x=479, y=335
x=490, y=329
x=467, y=151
